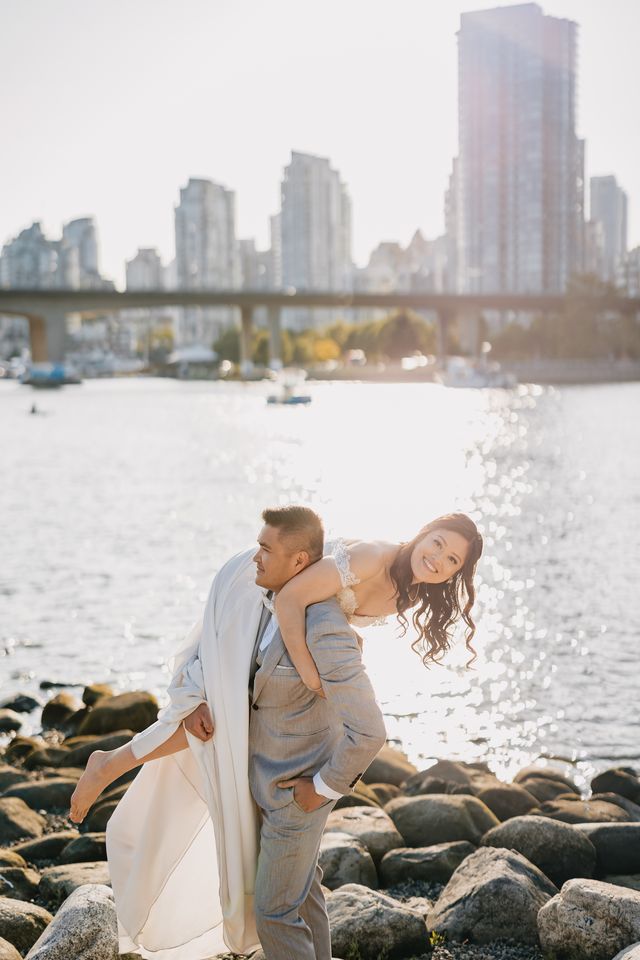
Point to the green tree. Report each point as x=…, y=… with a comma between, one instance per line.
x=227, y=346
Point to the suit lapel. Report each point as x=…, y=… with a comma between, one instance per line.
x=272, y=656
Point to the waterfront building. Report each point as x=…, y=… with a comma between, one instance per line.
x=206, y=255
x=594, y=242
x=315, y=232
x=81, y=237
x=515, y=201
x=144, y=271
x=608, y=206
x=33, y=260
x=632, y=272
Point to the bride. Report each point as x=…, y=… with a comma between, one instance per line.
x=430, y=577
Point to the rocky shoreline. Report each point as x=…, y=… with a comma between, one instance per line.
x=448, y=863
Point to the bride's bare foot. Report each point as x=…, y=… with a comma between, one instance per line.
x=90, y=785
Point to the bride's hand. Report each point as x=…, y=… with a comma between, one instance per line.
x=200, y=723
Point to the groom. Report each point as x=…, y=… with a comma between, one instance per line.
x=305, y=751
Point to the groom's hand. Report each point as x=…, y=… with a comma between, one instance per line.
x=200, y=723
x=304, y=793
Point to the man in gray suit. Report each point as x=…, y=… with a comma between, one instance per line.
x=305, y=751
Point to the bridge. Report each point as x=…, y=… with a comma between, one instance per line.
x=47, y=309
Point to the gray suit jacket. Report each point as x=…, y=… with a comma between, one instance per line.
x=294, y=733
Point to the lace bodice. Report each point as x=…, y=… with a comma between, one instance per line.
x=346, y=597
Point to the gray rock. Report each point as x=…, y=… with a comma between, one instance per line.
x=622, y=780
x=48, y=847
x=57, y=883
x=18, y=821
x=558, y=849
x=86, y=848
x=81, y=748
x=84, y=926
x=131, y=711
x=549, y=773
x=22, y=923
x=589, y=920
x=507, y=800
x=575, y=810
x=617, y=846
x=8, y=776
x=95, y=692
x=433, y=864
x=21, y=883
x=10, y=721
x=9, y=858
x=389, y=766
x=630, y=880
x=99, y=816
x=374, y=925
x=45, y=757
x=633, y=809
x=372, y=826
x=384, y=792
x=8, y=951
x=632, y=952
x=547, y=788
x=440, y=818
x=58, y=709
x=21, y=702
x=21, y=747
x=53, y=794
x=344, y=859
x=424, y=783
x=494, y=894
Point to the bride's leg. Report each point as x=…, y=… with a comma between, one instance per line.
x=105, y=766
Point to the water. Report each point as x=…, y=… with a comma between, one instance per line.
x=120, y=503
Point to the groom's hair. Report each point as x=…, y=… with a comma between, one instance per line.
x=301, y=526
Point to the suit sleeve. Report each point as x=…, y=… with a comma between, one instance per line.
x=351, y=700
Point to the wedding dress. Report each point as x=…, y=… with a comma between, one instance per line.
x=182, y=843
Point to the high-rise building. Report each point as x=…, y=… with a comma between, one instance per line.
x=82, y=236
x=315, y=231
x=32, y=260
x=608, y=206
x=519, y=183
x=145, y=271
x=206, y=254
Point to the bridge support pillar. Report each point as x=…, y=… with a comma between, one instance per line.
x=48, y=335
x=246, y=336
x=275, y=338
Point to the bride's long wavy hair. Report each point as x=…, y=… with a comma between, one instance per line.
x=438, y=606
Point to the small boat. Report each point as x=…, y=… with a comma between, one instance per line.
x=49, y=375
x=288, y=396
x=465, y=372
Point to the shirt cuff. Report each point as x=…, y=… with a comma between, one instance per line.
x=320, y=787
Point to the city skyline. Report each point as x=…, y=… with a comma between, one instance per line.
x=396, y=168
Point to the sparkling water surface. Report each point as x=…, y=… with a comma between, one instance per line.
x=122, y=499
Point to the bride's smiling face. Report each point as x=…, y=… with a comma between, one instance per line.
x=275, y=561
x=438, y=556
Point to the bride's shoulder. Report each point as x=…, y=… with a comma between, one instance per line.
x=366, y=557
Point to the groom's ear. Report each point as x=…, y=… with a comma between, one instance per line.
x=302, y=560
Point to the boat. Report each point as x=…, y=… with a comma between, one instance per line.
x=49, y=376
x=476, y=373
x=288, y=396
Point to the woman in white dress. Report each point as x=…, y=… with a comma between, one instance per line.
x=431, y=575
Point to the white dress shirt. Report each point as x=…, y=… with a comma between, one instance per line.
x=318, y=783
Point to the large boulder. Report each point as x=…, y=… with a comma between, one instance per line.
x=57, y=883
x=632, y=952
x=127, y=711
x=547, y=788
x=507, y=800
x=52, y=794
x=99, y=816
x=367, y=924
x=8, y=951
x=94, y=692
x=84, y=926
x=389, y=766
x=574, y=810
x=20, y=702
x=494, y=894
x=58, y=710
x=8, y=776
x=18, y=821
x=617, y=846
x=344, y=859
x=45, y=848
x=81, y=748
x=10, y=721
x=432, y=864
x=589, y=920
x=21, y=747
x=45, y=757
x=85, y=849
x=384, y=792
x=9, y=858
x=558, y=849
x=547, y=773
x=21, y=883
x=440, y=818
x=633, y=809
x=630, y=880
x=622, y=780
x=372, y=826
x=361, y=796
x=22, y=923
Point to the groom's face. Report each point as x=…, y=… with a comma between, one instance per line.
x=276, y=559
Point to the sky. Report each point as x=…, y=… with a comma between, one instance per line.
x=109, y=106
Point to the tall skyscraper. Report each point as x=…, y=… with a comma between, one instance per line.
x=81, y=235
x=206, y=254
x=315, y=230
x=608, y=206
x=519, y=182
x=32, y=260
x=145, y=271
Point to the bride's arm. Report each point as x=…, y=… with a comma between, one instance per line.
x=318, y=582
